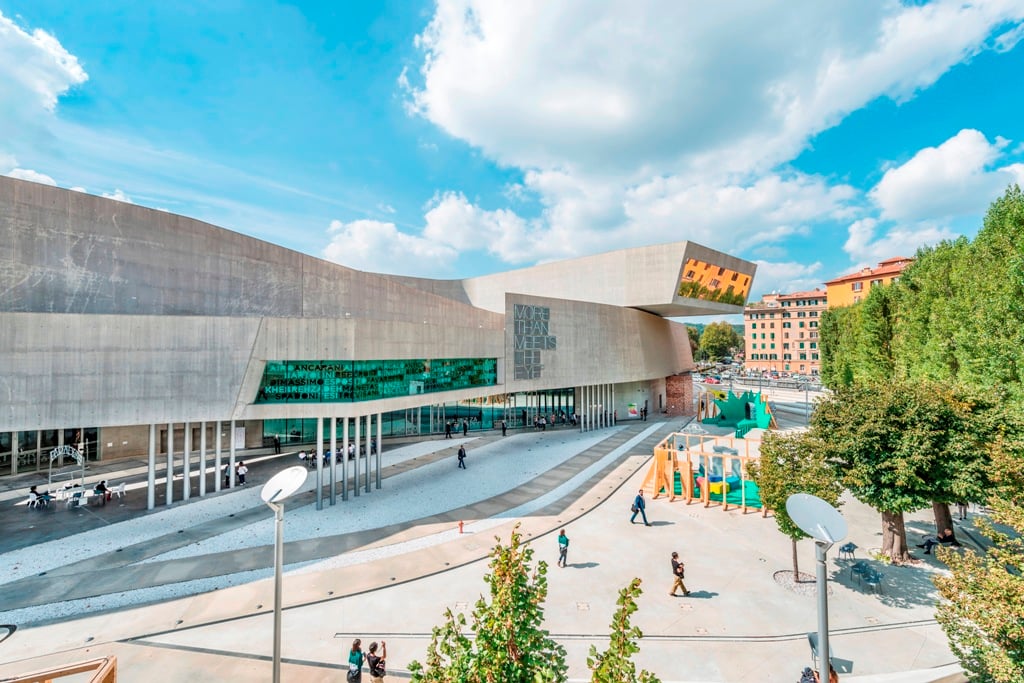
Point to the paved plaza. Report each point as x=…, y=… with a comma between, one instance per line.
x=186, y=592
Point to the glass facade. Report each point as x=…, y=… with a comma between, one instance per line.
x=518, y=410
x=34, y=447
x=335, y=381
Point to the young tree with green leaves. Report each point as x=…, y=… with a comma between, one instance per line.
x=510, y=644
x=982, y=611
x=694, y=336
x=719, y=339
x=790, y=463
x=615, y=665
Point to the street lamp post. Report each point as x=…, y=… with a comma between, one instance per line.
x=822, y=522
x=281, y=486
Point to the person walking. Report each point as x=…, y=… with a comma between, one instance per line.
x=678, y=571
x=504, y=428
x=377, y=664
x=355, y=662
x=961, y=509
x=639, y=508
x=241, y=470
x=465, y=428
x=227, y=474
x=448, y=429
x=563, y=548
x=462, y=457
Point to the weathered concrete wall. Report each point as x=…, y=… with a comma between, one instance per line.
x=599, y=344
x=70, y=252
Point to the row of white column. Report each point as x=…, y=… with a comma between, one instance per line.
x=596, y=406
x=361, y=462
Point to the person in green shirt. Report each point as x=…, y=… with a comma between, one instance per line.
x=355, y=662
x=563, y=548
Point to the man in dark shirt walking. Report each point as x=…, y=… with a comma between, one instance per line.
x=462, y=457
x=677, y=573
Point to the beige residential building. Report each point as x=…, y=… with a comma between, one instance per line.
x=781, y=332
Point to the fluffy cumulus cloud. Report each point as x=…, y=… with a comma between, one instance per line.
x=959, y=176
x=666, y=85
x=786, y=277
x=29, y=174
x=380, y=247
x=867, y=245
x=635, y=125
x=35, y=70
x=118, y=195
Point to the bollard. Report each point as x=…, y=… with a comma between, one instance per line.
x=460, y=526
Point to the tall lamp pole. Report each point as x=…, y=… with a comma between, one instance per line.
x=281, y=486
x=822, y=522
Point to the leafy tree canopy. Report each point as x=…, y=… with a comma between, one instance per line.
x=719, y=339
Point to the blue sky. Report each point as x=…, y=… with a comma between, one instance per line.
x=462, y=137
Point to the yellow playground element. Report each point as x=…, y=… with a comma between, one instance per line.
x=706, y=468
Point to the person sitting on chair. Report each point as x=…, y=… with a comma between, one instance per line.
x=40, y=498
x=102, y=491
x=945, y=538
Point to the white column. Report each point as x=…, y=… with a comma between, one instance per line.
x=15, y=452
x=169, y=495
x=202, y=459
x=231, y=456
x=186, y=469
x=380, y=444
x=344, y=459
x=334, y=459
x=369, y=441
x=355, y=440
x=613, y=405
x=151, y=473
x=216, y=450
x=319, y=463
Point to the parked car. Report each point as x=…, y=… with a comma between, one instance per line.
x=712, y=380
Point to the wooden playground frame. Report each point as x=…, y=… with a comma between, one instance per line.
x=105, y=671
x=686, y=452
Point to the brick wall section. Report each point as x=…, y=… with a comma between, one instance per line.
x=679, y=394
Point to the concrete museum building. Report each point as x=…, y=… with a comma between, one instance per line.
x=127, y=331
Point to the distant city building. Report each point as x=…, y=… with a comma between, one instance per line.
x=781, y=332
x=852, y=288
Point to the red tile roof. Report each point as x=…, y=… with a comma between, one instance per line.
x=890, y=266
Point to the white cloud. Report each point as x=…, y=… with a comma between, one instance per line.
x=671, y=86
x=35, y=70
x=380, y=247
x=385, y=208
x=637, y=125
x=118, y=195
x=785, y=277
x=29, y=174
x=868, y=249
x=952, y=179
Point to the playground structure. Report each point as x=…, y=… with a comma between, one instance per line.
x=739, y=412
x=706, y=468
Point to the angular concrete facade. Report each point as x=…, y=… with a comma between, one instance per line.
x=116, y=315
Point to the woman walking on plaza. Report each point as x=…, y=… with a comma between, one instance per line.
x=355, y=662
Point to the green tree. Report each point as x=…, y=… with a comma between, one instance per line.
x=929, y=312
x=983, y=595
x=719, y=339
x=791, y=463
x=510, y=645
x=838, y=332
x=874, y=351
x=694, y=335
x=615, y=665
x=899, y=446
x=990, y=336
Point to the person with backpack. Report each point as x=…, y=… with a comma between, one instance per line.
x=377, y=664
x=355, y=662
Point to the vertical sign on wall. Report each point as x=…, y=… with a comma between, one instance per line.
x=239, y=438
x=530, y=336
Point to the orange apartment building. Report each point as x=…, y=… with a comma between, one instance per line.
x=850, y=289
x=781, y=332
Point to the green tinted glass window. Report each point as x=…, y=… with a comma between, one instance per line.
x=335, y=381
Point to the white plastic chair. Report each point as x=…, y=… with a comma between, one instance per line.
x=33, y=501
x=77, y=500
x=119, y=491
